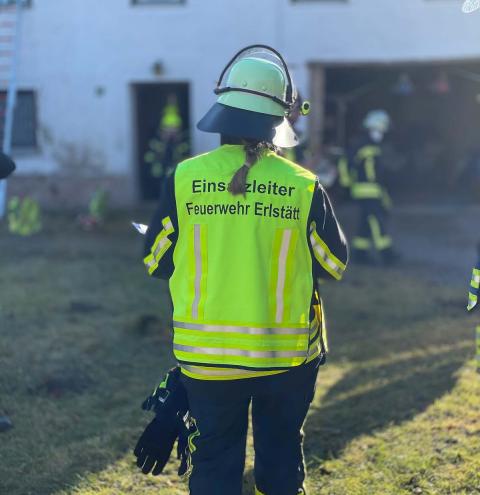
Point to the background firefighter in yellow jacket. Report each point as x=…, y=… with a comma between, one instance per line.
x=368, y=191
x=243, y=234
x=170, y=146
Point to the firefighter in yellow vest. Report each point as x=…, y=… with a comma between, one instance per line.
x=243, y=235
x=170, y=146
x=368, y=191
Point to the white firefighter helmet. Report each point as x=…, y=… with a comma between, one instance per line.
x=377, y=120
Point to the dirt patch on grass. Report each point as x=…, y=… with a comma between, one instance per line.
x=62, y=382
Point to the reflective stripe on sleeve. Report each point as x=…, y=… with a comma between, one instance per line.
x=472, y=301
x=160, y=246
x=324, y=256
x=474, y=289
x=168, y=226
x=475, y=282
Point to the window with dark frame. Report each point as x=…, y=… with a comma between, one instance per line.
x=158, y=2
x=24, y=132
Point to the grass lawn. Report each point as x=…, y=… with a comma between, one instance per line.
x=85, y=336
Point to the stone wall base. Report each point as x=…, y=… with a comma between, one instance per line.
x=73, y=193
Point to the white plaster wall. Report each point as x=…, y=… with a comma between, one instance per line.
x=70, y=47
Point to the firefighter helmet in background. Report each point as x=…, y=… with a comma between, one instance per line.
x=255, y=96
x=171, y=119
x=378, y=121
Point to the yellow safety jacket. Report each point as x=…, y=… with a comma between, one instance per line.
x=242, y=281
x=364, y=181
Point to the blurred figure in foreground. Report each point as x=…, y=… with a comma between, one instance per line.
x=170, y=146
x=7, y=166
x=368, y=191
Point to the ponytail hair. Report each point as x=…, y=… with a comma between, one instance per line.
x=253, y=152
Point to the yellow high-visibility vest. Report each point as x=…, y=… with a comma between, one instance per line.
x=242, y=284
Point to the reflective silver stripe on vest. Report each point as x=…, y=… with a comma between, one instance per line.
x=211, y=371
x=282, y=269
x=197, y=248
x=245, y=330
x=218, y=351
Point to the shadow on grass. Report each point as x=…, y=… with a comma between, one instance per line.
x=368, y=400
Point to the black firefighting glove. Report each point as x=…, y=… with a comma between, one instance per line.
x=155, y=446
x=170, y=391
x=170, y=404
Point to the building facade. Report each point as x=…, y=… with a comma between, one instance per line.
x=87, y=68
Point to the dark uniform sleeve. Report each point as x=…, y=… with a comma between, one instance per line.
x=7, y=166
x=162, y=234
x=327, y=241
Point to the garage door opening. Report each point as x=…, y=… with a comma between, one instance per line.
x=435, y=108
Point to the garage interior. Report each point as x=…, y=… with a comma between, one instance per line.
x=434, y=146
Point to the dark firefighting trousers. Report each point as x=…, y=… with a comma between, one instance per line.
x=371, y=230
x=220, y=409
